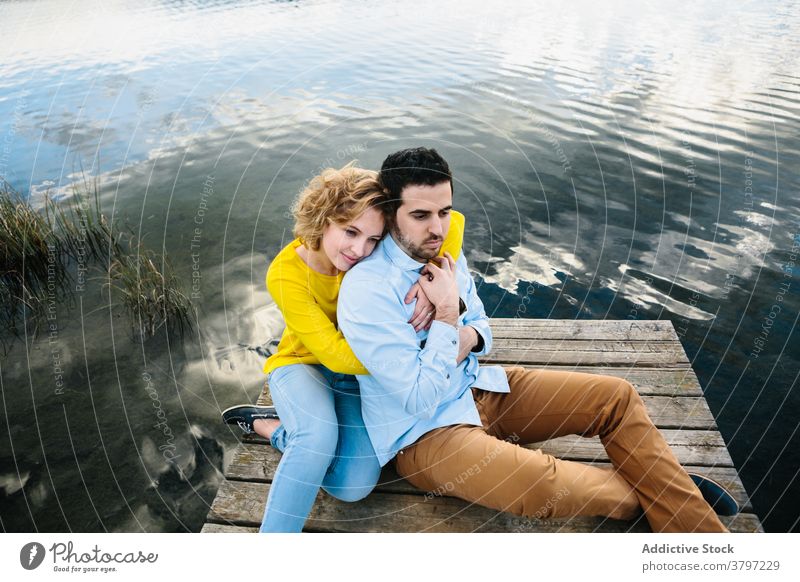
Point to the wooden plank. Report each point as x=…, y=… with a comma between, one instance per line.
x=258, y=462
x=587, y=345
x=590, y=353
x=587, y=353
x=241, y=503
x=253, y=462
x=391, y=482
x=648, y=381
x=691, y=447
x=662, y=330
x=226, y=528
x=691, y=413
x=742, y=523
x=593, y=333
x=682, y=413
x=644, y=343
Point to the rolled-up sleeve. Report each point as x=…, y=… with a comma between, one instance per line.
x=475, y=315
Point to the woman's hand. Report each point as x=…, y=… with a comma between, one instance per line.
x=424, y=310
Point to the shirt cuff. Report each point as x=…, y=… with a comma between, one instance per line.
x=481, y=345
x=484, y=337
x=443, y=338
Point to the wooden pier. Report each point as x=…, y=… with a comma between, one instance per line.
x=646, y=353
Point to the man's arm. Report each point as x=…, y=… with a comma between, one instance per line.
x=467, y=341
x=373, y=319
x=476, y=316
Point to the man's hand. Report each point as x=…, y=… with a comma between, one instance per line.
x=423, y=311
x=467, y=339
x=440, y=286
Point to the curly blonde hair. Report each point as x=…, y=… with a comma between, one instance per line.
x=334, y=197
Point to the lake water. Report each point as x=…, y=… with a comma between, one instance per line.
x=616, y=161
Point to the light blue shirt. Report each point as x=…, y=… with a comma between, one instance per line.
x=414, y=385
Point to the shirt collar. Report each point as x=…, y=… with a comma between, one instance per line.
x=398, y=256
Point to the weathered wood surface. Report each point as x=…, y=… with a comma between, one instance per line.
x=611, y=353
x=569, y=329
x=684, y=413
x=648, y=381
x=242, y=503
x=742, y=523
x=646, y=353
x=256, y=463
x=692, y=447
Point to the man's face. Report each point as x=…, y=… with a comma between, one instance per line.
x=423, y=219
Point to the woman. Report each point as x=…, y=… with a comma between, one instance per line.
x=338, y=222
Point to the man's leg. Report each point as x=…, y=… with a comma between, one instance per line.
x=545, y=404
x=466, y=462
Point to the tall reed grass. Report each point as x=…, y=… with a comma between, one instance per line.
x=31, y=264
x=150, y=292
x=40, y=252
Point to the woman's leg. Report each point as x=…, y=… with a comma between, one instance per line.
x=355, y=469
x=273, y=431
x=305, y=403
x=266, y=428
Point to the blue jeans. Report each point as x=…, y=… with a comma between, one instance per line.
x=323, y=440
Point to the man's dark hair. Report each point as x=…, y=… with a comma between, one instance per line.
x=411, y=167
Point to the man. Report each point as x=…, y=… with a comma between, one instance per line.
x=450, y=421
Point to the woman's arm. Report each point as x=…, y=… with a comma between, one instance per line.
x=455, y=236
x=306, y=320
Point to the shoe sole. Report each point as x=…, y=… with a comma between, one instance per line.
x=237, y=407
x=724, y=503
x=241, y=406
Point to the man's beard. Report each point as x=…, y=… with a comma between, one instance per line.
x=421, y=254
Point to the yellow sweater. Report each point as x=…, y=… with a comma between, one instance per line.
x=308, y=299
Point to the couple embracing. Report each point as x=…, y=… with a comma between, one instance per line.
x=379, y=362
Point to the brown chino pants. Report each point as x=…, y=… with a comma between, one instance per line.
x=486, y=465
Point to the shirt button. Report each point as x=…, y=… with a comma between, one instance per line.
x=448, y=376
x=454, y=342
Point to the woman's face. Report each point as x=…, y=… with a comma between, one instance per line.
x=345, y=245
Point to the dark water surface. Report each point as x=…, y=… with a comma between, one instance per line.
x=614, y=161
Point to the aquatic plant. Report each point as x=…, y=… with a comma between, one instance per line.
x=40, y=250
x=30, y=259
x=150, y=293
x=81, y=226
